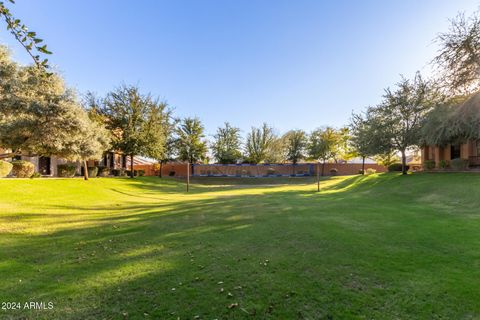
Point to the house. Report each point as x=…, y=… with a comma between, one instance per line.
x=452, y=131
x=469, y=151
x=47, y=166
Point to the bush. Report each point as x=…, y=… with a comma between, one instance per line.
x=141, y=173
x=442, y=164
x=370, y=171
x=128, y=172
x=5, y=168
x=429, y=164
x=360, y=171
x=118, y=172
x=103, y=171
x=22, y=169
x=66, y=170
x=35, y=175
x=397, y=167
x=333, y=171
x=459, y=164
x=92, y=172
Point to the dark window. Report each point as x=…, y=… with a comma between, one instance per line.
x=455, y=151
x=44, y=166
x=124, y=161
x=112, y=160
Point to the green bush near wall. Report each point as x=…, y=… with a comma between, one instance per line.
x=443, y=164
x=66, y=170
x=22, y=169
x=429, y=164
x=92, y=172
x=103, y=171
x=5, y=168
x=459, y=164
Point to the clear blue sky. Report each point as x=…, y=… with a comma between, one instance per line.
x=293, y=64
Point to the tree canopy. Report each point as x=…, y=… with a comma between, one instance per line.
x=226, y=145
x=191, y=144
x=258, y=143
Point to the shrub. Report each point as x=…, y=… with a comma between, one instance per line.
x=459, y=164
x=128, y=172
x=118, y=172
x=370, y=171
x=141, y=173
x=396, y=167
x=5, y=168
x=35, y=175
x=171, y=173
x=92, y=172
x=429, y=164
x=333, y=171
x=360, y=171
x=22, y=169
x=103, y=171
x=442, y=164
x=66, y=170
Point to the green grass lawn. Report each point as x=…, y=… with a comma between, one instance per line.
x=376, y=247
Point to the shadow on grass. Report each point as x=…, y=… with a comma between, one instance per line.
x=236, y=256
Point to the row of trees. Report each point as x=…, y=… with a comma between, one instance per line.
x=420, y=112
x=40, y=115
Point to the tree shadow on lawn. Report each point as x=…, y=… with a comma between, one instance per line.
x=272, y=252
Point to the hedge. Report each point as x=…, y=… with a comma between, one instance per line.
x=66, y=170
x=397, y=167
x=22, y=169
x=5, y=168
x=429, y=164
x=459, y=164
x=103, y=171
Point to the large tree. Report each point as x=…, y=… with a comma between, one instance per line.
x=191, y=143
x=323, y=144
x=295, y=144
x=459, y=55
x=226, y=144
x=259, y=143
x=362, y=138
x=137, y=122
x=40, y=116
x=397, y=120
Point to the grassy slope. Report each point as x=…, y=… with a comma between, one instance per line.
x=378, y=247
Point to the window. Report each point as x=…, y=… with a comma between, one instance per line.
x=455, y=151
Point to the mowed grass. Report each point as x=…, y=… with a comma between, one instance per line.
x=376, y=247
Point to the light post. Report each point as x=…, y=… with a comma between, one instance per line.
x=188, y=175
x=318, y=175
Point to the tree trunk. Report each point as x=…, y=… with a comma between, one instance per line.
x=404, y=162
x=132, y=174
x=161, y=166
x=363, y=165
x=85, y=170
